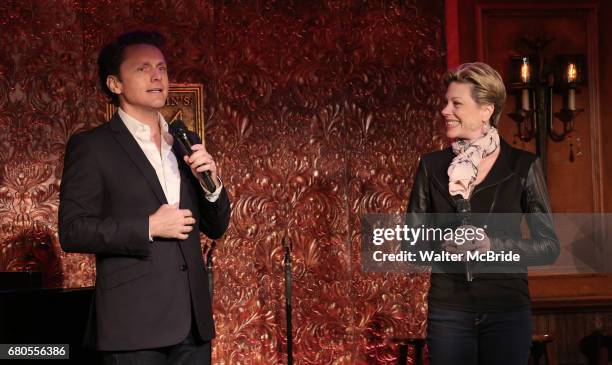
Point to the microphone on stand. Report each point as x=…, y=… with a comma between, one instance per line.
x=179, y=131
x=464, y=211
x=209, y=270
x=287, y=264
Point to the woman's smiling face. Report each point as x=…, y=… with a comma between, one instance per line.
x=464, y=117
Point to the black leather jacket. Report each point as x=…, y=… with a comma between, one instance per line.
x=515, y=184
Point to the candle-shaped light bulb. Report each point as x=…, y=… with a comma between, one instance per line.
x=572, y=72
x=525, y=99
x=525, y=71
x=571, y=99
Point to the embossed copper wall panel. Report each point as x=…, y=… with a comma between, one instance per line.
x=316, y=112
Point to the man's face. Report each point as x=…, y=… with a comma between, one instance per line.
x=143, y=79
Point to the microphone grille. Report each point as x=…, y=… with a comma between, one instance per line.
x=177, y=127
x=463, y=205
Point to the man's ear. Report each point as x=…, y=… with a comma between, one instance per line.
x=114, y=84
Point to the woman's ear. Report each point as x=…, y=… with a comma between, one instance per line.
x=114, y=84
x=486, y=111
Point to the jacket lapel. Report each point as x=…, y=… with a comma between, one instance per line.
x=184, y=182
x=440, y=180
x=500, y=171
x=134, y=152
x=178, y=151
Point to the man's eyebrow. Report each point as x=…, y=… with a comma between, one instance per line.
x=148, y=63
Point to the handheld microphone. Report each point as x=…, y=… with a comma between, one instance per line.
x=464, y=211
x=179, y=131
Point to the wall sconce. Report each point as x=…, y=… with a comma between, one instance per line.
x=534, y=81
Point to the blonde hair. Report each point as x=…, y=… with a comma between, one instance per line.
x=487, y=85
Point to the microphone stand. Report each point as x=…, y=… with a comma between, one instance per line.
x=209, y=269
x=287, y=265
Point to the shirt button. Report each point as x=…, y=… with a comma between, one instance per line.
x=183, y=267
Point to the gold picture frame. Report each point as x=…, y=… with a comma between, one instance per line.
x=184, y=102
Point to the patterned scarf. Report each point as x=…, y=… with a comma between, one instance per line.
x=463, y=169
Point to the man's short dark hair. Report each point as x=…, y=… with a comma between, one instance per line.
x=112, y=55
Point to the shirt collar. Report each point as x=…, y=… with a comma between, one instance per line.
x=140, y=130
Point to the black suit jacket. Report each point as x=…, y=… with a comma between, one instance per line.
x=146, y=293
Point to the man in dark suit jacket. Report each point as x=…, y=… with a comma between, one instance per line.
x=126, y=197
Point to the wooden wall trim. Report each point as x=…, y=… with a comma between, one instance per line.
x=452, y=33
x=479, y=33
x=585, y=304
x=595, y=111
x=571, y=290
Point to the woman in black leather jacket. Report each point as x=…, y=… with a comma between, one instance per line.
x=486, y=319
